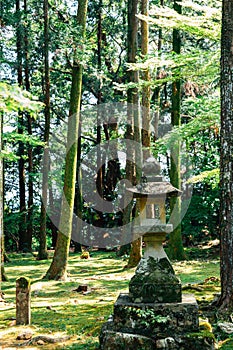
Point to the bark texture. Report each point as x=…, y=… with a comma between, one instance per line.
x=176, y=250
x=2, y=271
x=99, y=180
x=133, y=124
x=29, y=126
x=58, y=267
x=43, y=254
x=21, y=151
x=146, y=91
x=226, y=158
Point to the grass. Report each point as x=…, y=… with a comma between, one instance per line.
x=57, y=309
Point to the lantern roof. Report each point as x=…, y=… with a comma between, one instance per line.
x=152, y=184
x=154, y=189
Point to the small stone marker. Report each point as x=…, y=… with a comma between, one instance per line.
x=23, y=301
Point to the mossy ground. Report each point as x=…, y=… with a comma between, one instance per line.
x=57, y=309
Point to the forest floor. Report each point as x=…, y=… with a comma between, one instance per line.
x=59, y=311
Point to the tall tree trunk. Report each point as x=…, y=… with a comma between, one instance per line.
x=133, y=125
x=226, y=163
x=30, y=189
x=99, y=180
x=112, y=172
x=29, y=122
x=58, y=268
x=21, y=163
x=54, y=212
x=2, y=270
x=176, y=250
x=1, y=209
x=43, y=253
x=156, y=97
x=146, y=89
x=100, y=167
x=78, y=202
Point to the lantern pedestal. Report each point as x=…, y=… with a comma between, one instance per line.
x=155, y=280
x=149, y=326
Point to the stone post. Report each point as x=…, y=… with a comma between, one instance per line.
x=23, y=301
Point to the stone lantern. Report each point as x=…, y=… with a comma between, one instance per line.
x=154, y=280
x=154, y=314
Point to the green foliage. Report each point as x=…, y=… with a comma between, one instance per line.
x=12, y=219
x=210, y=176
x=204, y=21
x=226, y=344
x=25, y=138
x=203, y=113
x=199, y=138
x=148, y=317
x=90, y=345
x=202, y=334
x=8, y=156
x=13, y=98
x=197, y=67
x=196, y=225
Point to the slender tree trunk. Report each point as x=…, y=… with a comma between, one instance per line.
x=100, y=167
x=2, y=270
x=99, y=180
x=21, y=163
x=226, y=165
x=22, y=190
x=176, y=250
x=30, y=190
x=29, y=122
x=157, y=91
x=113, y=173
x=146, y=89
x=58, y=268
x=78, y=193
x=146, y=92
x=133, y=125
x=53, y=210
x=1, y=210
x=42, y=253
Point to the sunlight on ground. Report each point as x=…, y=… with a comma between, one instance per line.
x=58, y=309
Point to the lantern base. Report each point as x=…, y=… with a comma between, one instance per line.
x=171, y=326
x=155, y=282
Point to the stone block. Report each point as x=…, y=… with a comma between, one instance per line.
x=155, y=319
x=112, y=340
x=169, y=326
x=155, y=282
x=121, y=341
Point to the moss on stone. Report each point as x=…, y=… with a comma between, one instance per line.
x=155, y=281
x=23, y=282
x=202, y=334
